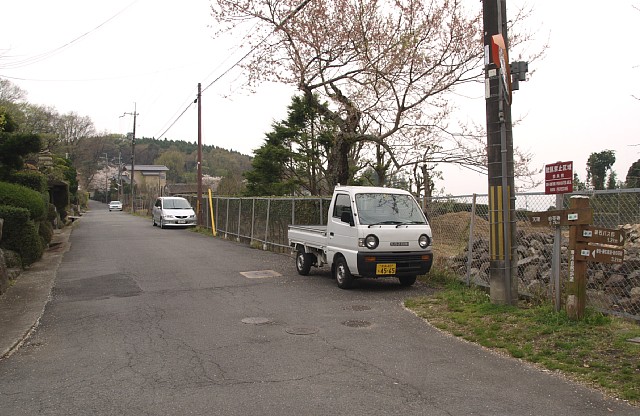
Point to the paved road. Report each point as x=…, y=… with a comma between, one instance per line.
x=145, y=321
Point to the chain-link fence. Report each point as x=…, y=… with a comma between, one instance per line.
x=263, y=222
x=461, y=238
x=461, y=243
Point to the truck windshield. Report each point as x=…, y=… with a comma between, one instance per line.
x=388, y=209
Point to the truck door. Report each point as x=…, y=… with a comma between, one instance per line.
x=342, y=237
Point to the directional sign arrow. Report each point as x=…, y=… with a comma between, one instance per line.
x=561, y=217
x=590, y=234
x=598, y=254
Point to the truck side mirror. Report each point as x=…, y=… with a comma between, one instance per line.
x=347, y=217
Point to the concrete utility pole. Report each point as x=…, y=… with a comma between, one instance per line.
x=106, y=178
x=503, y=265
x=199, y=202
x=119, y=176
x=133, y=155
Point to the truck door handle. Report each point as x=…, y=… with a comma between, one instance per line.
x=331, y=233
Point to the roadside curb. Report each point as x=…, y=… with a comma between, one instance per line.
x=24, y=303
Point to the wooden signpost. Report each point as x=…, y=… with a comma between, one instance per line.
x=586, y=244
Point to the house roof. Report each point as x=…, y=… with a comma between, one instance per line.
x=148, y=168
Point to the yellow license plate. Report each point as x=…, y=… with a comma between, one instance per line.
x=386, y=268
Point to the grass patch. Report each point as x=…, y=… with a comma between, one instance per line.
x=594, y=351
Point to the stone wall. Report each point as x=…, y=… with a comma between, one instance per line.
x=610, y=287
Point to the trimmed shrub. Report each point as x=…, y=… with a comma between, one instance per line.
x=45, y=231
x=31, y=179
x=60, y=198
x=54, y=217
x=20, y=234
x=20, y=196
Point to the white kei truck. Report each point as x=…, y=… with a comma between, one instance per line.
x=371, y=232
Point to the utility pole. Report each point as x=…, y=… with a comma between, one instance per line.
x=199, y=202
x=133, y=155
x=504, y=258
x=119, y=176
x=106, y=178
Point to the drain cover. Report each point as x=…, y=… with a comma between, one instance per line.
x=260, y=274
x=256, y=320
x=356, y=323
x=301, y=330
x=357, y=308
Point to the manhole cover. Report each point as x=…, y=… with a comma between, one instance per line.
x=357, y=308
x=356, y=323
x=260, y=274
x=256, y=320
x=301, y=330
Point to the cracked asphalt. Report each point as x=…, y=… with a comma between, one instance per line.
x=144, y=321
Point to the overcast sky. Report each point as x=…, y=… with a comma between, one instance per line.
x=99, y=58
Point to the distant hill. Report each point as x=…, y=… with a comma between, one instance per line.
x=216, y=161
x=179, y=156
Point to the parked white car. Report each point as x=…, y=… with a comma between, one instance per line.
x=173, y=211
x=115, y=206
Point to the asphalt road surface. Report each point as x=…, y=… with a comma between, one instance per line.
x=144, y=321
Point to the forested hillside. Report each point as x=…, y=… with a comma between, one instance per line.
x=179, y=156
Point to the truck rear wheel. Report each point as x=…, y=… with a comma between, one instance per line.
x=304, y=261
x=342, y=274
x=407, y=280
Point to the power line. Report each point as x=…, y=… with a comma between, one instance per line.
x=45, y=55
x=176, y=120
x=279, y=26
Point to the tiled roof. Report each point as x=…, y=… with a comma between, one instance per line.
x=148, y=168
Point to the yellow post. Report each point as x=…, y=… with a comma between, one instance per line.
x=213, y=223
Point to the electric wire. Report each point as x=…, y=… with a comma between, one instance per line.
x=256, y=46
x=176, y=120
x=45, y=55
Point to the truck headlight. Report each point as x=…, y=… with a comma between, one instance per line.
x=424, y=241
x=370, y=242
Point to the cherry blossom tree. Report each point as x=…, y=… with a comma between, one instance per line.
x=387, y=68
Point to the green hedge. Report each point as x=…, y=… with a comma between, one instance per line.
x=23, y=197
x=20, y=234
x=45, y=231
x=31, y=179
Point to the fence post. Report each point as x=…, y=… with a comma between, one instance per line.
x=226, y=221
x=217, y=213
x=253, y=217
x=266, y=227
x=471, y=238
x=293, y=210
x=556, y=259
x=239, y=217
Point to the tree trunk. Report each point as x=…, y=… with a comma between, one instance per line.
x=338, y=162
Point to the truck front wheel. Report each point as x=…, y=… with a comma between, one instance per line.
x=304, y=261
x=407, y=280
x=342, y=274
